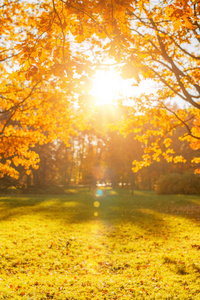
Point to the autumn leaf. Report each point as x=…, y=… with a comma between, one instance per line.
x=129, y=71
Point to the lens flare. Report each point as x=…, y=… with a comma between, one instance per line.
x=96, y=204
x=99, y=193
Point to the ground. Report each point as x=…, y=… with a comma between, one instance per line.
x=113, y=245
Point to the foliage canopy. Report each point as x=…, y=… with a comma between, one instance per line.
x=47, y=58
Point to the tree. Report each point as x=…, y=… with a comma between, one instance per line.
x=37, y=86
x=49, y=55
x=165, y=48
x=119, y=154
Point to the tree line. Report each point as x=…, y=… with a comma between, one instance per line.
x=101, y=155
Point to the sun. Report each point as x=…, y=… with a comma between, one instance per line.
x=107, y=87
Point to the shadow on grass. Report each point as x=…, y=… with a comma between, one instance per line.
x=144, y=208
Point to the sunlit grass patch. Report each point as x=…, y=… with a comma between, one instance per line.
x=112, y=192
x=71, y=191
x=140, y=246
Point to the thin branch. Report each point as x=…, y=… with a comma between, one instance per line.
x=165, y=33
x=14, y=108
x=112, y=14
x=87, y=14
x=183, y=50
x=183, y=122
x=63, y=47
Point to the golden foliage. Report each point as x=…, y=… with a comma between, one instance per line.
x=47, y=56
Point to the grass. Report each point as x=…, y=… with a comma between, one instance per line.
x=117, y=246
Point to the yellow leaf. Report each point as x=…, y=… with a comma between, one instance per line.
x=196, y=160
x=167, y=142
x=178, y=24
x=178, y=159
x=130, y=71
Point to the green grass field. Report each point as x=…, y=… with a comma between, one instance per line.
x=117, y=246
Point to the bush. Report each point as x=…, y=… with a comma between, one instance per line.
x=175, y=183
x=14, y=190
x=10, y=191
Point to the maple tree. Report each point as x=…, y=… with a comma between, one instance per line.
x=165, y=39
x=50, y=49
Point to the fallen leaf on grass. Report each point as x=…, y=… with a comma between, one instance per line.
x=196, y=246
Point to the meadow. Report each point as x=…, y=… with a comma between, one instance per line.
x=108, y=245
